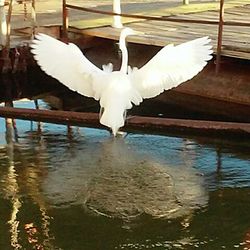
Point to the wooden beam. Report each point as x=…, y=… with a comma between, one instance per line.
x=65, y=17
x=139, y=123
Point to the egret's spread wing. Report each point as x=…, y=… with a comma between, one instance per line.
x=66, y=63
x=172, y=66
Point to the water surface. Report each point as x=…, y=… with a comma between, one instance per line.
x=78, y=188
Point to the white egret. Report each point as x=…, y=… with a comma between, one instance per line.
x=117, y=91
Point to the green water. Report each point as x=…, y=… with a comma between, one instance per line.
x=81, y=189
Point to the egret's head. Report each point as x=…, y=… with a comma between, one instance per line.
x=127, y=32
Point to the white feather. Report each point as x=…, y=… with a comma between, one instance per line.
x=172, y=66
x=66, y=63
x=116, y=98
x=107, y=67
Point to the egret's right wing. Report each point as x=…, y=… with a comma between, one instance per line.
x=171, y=66
x=66, y=63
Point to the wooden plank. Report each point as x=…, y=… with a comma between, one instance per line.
x=218, y=129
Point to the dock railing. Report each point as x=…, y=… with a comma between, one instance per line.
x=220, y=23
x=5, y=31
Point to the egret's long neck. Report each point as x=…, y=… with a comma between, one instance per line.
x=123, y=48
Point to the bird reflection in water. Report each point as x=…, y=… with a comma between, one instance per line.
x=111, y=179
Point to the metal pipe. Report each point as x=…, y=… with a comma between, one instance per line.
x=117, y=22
x=155, y=18
x=65, y=21
x=220, y=35
x=33, y=16
x=136, y=122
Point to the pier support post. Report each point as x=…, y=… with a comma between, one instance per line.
x=65, y=22
x=33, y=17
x=3, y=24
x=117, y=23
x=219, y=40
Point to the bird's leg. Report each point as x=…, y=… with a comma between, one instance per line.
x=121, y=134
x=101, y=112
x=125, y=114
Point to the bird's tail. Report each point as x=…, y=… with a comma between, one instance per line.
x=113, y=116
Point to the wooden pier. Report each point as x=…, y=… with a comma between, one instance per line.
x=177, y=25
x=164, y=23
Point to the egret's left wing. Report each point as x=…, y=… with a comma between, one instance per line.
x=172, y=66
x=66, y=63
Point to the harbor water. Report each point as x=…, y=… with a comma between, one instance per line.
x=75, y=188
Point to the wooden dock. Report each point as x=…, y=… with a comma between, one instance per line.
x=236, y=39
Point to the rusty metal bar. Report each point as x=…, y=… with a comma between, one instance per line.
x=136, y=122
x=169, y=18
x=219, y=39
x=33, y=16
x=65, y=21
x=58, y=117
